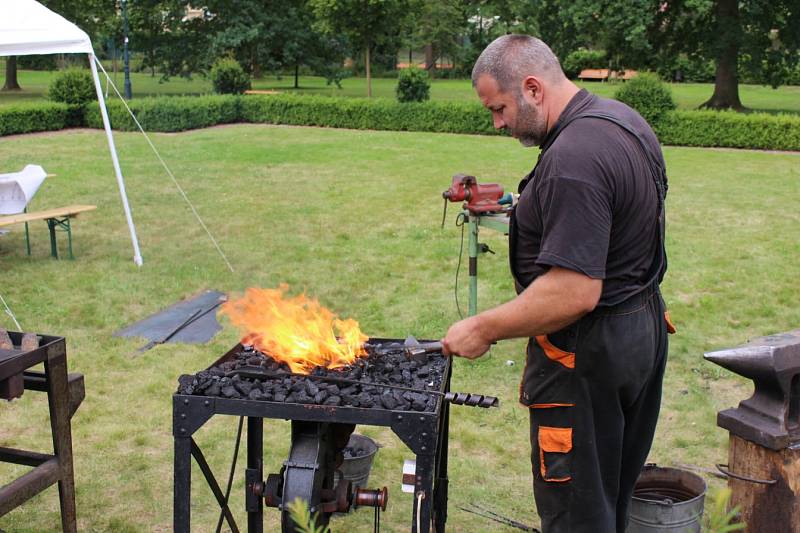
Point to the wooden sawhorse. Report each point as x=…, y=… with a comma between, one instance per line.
x=65, y=392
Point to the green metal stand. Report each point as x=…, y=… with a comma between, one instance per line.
x=496, y=222
x=59, y=224
x=27, y=234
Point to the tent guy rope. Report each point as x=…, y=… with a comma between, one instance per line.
x=166, y=168
x=9, y=313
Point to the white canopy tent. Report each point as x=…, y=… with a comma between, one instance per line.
x=28, y=28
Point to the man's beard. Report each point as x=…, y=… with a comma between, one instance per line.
x=531, y=127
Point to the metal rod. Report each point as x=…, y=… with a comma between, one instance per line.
x=724, y=469
x=485, y=513
x=230, y=476
x=473, y=265
x=199, y=313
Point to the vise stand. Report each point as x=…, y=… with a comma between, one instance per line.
x=486, y=206
x=764, y=452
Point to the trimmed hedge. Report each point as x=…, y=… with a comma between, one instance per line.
x=689, y=128
x=363, y=113
x=168, y=114
x=27, y=118
x=730, y=129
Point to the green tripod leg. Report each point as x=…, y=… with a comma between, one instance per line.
x=473, y=263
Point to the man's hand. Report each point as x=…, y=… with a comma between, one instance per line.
x=466, y=339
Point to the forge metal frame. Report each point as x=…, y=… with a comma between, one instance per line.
x=425, y=434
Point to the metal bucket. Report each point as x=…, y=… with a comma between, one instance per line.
x=356, y=469
x=667, y=500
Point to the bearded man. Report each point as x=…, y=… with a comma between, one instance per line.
x=586, y=249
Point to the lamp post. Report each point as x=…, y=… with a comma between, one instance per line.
x=125, y=57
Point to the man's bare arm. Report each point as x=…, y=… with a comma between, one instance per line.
x=555, y=300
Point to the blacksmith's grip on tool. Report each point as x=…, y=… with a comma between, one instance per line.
x=418, y=351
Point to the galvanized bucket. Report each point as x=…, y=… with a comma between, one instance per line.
x=667, y=500
x=356, y=469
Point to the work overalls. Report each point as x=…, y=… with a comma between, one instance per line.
x=594, y=393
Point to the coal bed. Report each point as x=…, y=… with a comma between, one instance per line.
x=252, y=375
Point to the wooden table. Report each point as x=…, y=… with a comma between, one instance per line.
x=65, y=392
x=58, y=218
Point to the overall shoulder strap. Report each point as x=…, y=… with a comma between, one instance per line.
x=658, y=172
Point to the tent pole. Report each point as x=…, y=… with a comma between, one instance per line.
x=137, y=256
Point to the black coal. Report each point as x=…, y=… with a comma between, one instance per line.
x=385, y=364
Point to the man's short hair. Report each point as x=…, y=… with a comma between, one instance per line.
x=510, y=58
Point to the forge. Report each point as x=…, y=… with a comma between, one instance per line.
x=387, y=386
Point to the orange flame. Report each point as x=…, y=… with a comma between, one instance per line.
x=297, y=331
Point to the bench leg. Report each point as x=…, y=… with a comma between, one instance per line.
x=27, y=239
x=27, y=234
x=54, y=224
x=51, y=225
x=69, y=236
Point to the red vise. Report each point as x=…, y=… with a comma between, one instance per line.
x=478, y=198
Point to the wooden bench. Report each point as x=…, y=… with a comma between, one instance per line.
x=58, y=218
x=594, y=74
x=603, y=74
x=261, y=91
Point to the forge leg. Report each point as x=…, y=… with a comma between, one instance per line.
x=441, y=482
x=255, y=473
x=423, y=496
x=183, y=485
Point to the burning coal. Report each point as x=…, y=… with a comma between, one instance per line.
x=296, y=330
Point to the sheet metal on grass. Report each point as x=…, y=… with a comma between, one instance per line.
x=199, y=330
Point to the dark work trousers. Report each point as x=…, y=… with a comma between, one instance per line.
x=594, y=393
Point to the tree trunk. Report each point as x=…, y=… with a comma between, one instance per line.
x=729, y=31
x=11, y=75
x=430, y=59
x=296, y=75
x=369, y=77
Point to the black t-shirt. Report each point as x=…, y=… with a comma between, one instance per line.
x=591, y=204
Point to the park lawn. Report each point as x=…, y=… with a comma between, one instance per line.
x=352, y=218
x=687, y=95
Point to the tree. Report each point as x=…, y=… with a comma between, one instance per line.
x=365, y=23
x=154, y=28
x=11, y=83
x=438, y=25
x=758, y=37
x=762, y=36
x=280, y=37
x=296, y=42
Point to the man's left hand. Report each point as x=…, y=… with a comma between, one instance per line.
x=466, y=339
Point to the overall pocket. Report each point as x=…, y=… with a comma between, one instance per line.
x=555, y=445
x=549, y=369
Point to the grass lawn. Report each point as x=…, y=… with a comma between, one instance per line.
x=687, y=95
x=351, y=217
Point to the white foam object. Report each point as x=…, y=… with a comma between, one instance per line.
x=17, y=188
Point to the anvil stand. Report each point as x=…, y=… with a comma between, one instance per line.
x=493, y=221
x=764, y=450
